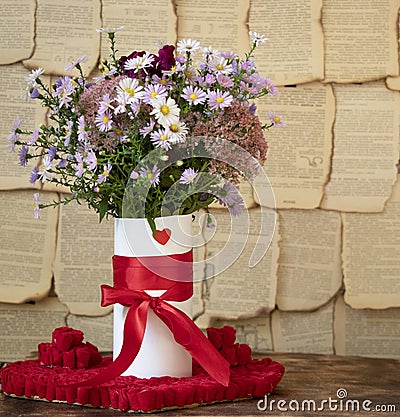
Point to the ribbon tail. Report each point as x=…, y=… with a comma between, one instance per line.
x=188, y=335
x=134, y=327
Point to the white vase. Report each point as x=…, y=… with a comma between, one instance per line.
x=159, y=353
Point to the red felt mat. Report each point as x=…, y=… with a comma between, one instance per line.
x=67, y=359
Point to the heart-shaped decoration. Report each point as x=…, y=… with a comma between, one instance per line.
x=162, y=236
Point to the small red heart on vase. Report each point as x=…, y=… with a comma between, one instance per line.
x=162, y=236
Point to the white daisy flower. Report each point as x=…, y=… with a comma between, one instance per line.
x=130, y=89
x=188, y=45
x=139, y=62
x=257, y=38
x=166, y=111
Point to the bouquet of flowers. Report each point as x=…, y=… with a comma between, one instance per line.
x=149, y=122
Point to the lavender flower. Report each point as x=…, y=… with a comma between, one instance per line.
x=22, y=155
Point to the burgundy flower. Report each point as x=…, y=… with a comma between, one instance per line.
x=166, y=58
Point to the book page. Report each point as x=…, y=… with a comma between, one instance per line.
x=24, y=326
x=222, y=25
x=255, y=332
x=371, y=253
x=294, y=52
x=148, y=24
x=83, y=259
x=17, y=22
x=310, y=266
x=12, y=107
x=372, y=333
x=306, y=332
x=240, y=291
x=66, y=31
x=366, y=148
x=298, y=159
x=354, y=32
x=97, y=330
x=394, y=82
x=27, y=246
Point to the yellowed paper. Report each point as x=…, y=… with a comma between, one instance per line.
x=222, y=25
x=83, y=259
x=17, y=22
x=13, y=107
x=148, y=24
x=309, y=272
x=97, y=330
x=27, y=246
x=307, y=332
x=393, y=83
x=371, y=333
x=66, y=31
x=366, y=148
x=24, y=326
x=294, y=52
x=298, y=159
x=360, y=40
x=240, y=291
x=371, y=253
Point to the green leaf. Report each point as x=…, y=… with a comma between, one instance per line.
x=103, y=206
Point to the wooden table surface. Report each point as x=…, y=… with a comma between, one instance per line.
x=320, y=380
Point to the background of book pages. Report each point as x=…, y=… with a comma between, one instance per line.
x=330, y=280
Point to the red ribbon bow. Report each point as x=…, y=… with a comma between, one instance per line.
x=185, y=331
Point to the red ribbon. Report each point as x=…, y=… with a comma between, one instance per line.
x=130, y=278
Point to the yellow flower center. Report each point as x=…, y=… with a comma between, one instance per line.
x=150, y=176
x=174, y=128
x=163, y=137
x=164, y=109
x=220, y=67
x=129, y=91
x=153, y=94
x=105, y=173
x=105, y=119
x=220, y=100
x=277, y=119
x=163, y=82
x=193, y=96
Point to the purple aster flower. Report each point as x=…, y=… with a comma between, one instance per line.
x=34, y=137
x=104, y=121
x=229, y=196
x=36, y=206
x=45, y=173
x=14, y=135
x=188, y=176
x=151, y=174
x=34, y=175
x=161, y=138
x=79, y=165
x=276, y=120
x=210, y=79
x=134, y=175
x=270, y=86
x=148, y=128
x=252, y=109
x=64, y=89
x=81, y=129
x=62, y=163
x=22, y=155
x=75, y=63
x=34, y=93
x=219, y=99
x=91, y=160
x=224, y=81
x=194, y=95
x=104, y=175
x=52, y=152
